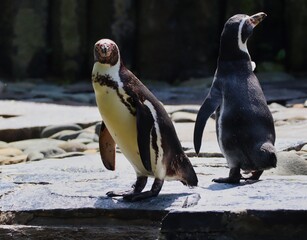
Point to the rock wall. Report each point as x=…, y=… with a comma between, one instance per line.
x=160, y=40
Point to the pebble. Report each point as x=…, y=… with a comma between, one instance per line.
x=51, y=130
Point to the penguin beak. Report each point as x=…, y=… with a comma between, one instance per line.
x=257, y=18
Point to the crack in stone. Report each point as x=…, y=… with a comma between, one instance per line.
x=74, y=196
x=6, y=193
x=32, y=183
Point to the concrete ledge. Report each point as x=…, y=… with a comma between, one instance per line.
x=249, y=224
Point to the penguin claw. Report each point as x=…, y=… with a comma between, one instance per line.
x=133, y=197
x=118, y=194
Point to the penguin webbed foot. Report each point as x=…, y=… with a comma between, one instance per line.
x=153, y=192
x=255, y=175
x=137, y=187
x=233, y=178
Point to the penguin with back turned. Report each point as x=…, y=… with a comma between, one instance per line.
x=244, y=123
x=138, y=123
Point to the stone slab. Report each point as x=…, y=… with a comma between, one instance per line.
x=73, y=189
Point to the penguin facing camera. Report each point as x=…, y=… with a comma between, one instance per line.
x=137, y=122
x=244, y=123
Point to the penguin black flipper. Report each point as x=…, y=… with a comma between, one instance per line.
x=107, y=148
x=144, y=123
x=211, y=103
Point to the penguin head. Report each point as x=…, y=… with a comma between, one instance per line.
x=106, y=52
x=235, y=34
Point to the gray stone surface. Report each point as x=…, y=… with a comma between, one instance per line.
x=82, y=182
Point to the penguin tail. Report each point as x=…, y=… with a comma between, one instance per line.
x=267, y=156
x=186, y=172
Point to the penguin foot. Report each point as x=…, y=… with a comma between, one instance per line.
x=233, y=178
x=226, y=180
x=136, y=188
x=119, y=194
x=255, y=175
x=153, y=192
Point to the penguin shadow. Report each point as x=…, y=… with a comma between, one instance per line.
x=161, y=202
x=225, y=186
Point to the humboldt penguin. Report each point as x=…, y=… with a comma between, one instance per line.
x=244, y=123
x=135, y=121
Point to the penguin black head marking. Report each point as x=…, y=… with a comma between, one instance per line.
x=235, y=34
x=106, y=52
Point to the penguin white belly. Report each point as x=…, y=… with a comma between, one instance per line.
x=121, y=125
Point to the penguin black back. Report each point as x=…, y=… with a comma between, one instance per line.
x=244, y=124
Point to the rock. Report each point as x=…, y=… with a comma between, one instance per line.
x=82, y=140
x=92, y=145
x=35, y=156
x=10, y=152
x=35, y=143
x=6, y=160
x=67, y=155
x=183, y=117
x=97, y=128
x=276, y=107
x=288, y=164
x=22, y=125
x=51, y=151
x=89, y=135
x=51, y=130
x=66, y=135
x=3, y=144
x=304, y=148
x=73, y=146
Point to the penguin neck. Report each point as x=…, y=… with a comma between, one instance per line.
x=230, y=55
x=105, y=70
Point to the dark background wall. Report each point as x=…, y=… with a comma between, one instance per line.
x=160, y=40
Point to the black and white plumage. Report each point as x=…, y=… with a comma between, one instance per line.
x=244, y=124
x=137, y=122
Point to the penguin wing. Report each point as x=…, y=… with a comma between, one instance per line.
x=211, y=103
x=107, y=148
x=144, y=122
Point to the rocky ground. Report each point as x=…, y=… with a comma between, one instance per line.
x=51, y=169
